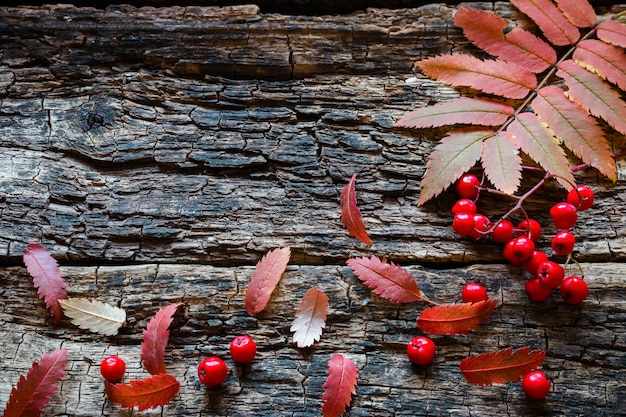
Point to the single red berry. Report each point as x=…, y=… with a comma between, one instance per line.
x=530, y=228
x=580, y=197
x=464, y=205
x=563, y=243
x=481, y=225
x=536, y=385
x=473, y=292
x=532, y=264
x=563, y=215
x=516, y=251
x=550, y=274
x=112, y=368
x=212, y=371
x=243, y=349
x=537, y=292
x=503, y=232
x=467, y=186
x=421, y=350
x=574, y=290
x=463, y=223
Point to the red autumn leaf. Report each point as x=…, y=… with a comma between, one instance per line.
x=455, y=318
x=264, y=279
x=554, y=25
x=47, y=278
x=613, y=32
x=605, y=60
x=501, y=366
x=502, y=163
x=350, y=213
x=155, y=339
x=310, y=318
x=340, y=385
x=387, y=280
x=33, y=392
x=579, y=12
x=150, y=392
x=490, y=76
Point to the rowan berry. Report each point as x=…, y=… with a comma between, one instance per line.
x=580, y=197
x=536, y=385
x=421, y=350
x=463, y=223
x=537, y=292
x=467, y=186
x=532, y=264
x=464, y=205
x=503, y=232
x=517, y=250
x=473, y=292
x=563, y=243
x=530, y=228
x=212, y=371
x=550, y=274
x=563, y=215
x=243, y=349
x=112, y=368
x=481, y=225
x=574, y=290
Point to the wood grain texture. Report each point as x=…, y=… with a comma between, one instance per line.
x=159, y=153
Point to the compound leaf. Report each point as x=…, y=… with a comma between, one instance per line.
x=554, y=25
x=151, y=392
x=340, y=385
x=264, y=279
x=350, y=213
x=613, y=32
x=33, y=392
x=501, y=366
x=310, y=318
x=605, y=60
x=455, y=319
x=155, y=338
x=94, y=315
x=502, y=162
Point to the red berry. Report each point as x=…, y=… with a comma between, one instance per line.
x=537, y=292
x=467, y=186
x=516, y=251
x=536, y=385
x=481, y=225
x=530, y=226
x=421, y=350
x=580, y=197
x=212, y=371
x=463, y=223
x=574, y=290
x=112, y=368
x=464, y=205
x=503, y=232
x=563, y=215
x=473, y=292
x=243, y=349
x=550, y=274
x=532, y=264
x=563, y=243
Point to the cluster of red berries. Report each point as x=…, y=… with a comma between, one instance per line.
x=519, y=241
x=212, y=371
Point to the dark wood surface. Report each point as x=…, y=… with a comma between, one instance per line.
x=158, y=153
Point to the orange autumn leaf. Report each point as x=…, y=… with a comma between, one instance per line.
x=264, y=279
x=501, y=366
x=150, y=392
x=350, y=213
x=455, y=318
x=340, y=385
x=310, y=318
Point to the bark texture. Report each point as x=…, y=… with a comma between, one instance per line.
x=158, y=153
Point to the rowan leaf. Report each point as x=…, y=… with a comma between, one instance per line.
x=340, y=385
x=350, y=213
x=155, y=339
x=310, y=318
x=388, y=280
x=594, y=94
x=264, y=279
x=451, y=158
x=151, y=392
x=534, y=138
x=490, y=76
x=47, y=278
x=502, y=162
x=94, y=315
x=579, y=12
x=554, y=25
x=579, y=131
x=32, y=393
x=463, y=110
x=455, y=319
x=605, y=60
x=613, y=32
x=501, y=366
x=485, y=30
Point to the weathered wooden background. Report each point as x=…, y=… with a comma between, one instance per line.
x=158, y=153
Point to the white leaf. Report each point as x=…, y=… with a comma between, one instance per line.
x=93, y=315
x=310, y=318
